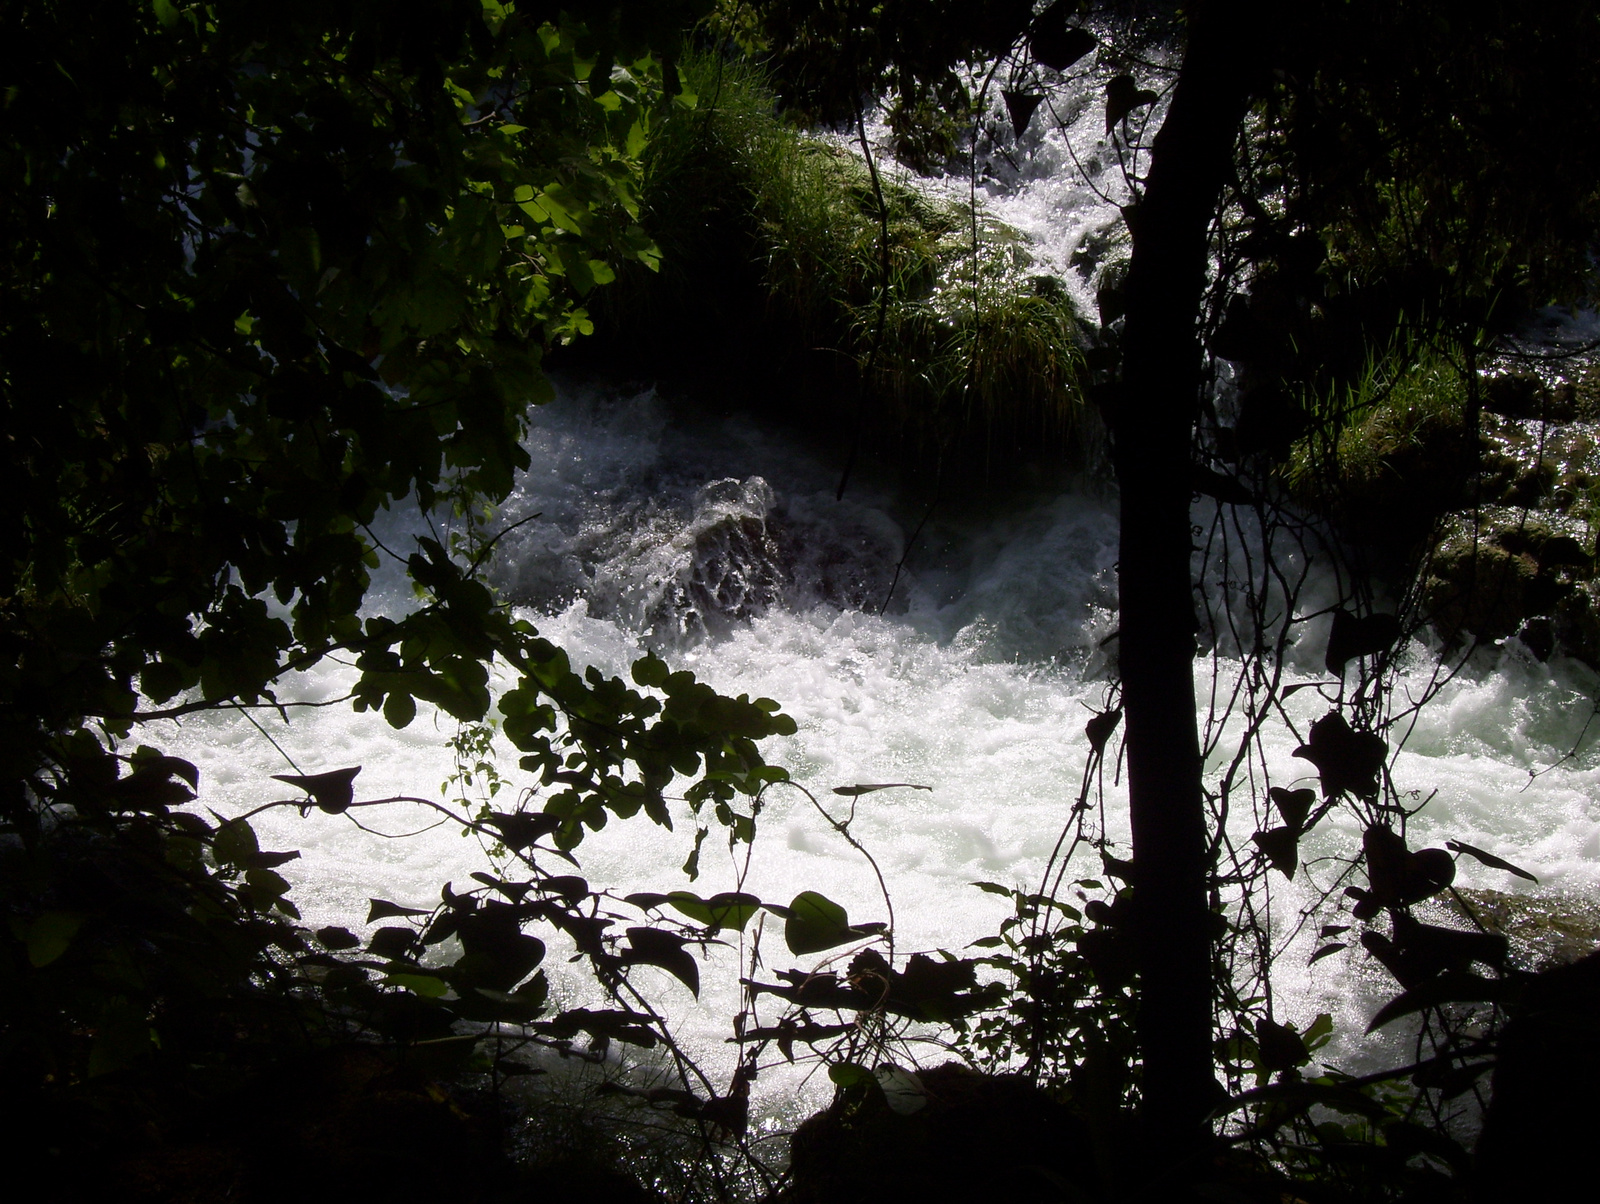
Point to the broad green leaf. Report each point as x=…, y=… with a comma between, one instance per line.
x=50, y=934
x=814, y=923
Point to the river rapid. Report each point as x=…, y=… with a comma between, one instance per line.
x=716, y=541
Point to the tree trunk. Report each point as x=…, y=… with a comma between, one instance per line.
x=1152, y=427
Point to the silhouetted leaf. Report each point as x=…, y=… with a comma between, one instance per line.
x=1451, y=987
x=570, y=887
x=1399, y=876
x=429, y=986
x=1326, y=951
x=497, y=953
x=602, y=1025
x=1352, y=637
x=814, y=922
x=848, y=1074
x=334, y=937
x=1053, y=43
x=1123, y=96
x=1294, y=805
x=382, y=909
x=728, y=909
x=392, y=943
x=1116, y=867
x=1282, y=847
x=853, y=791
x=652, y=947
x=1281, y=1047
x=1488, y=859
x=235, y=844
x=1020, y=108
x=521, y=829
x=1099, y=728
x=332, y=791
x=1346, y=760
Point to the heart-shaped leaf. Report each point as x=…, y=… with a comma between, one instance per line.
x=1346, y=760
x=1020, y=108
x=382, y=909
x=1293, y=805
x=1123, y=96
x=1282, y=847
x=1053, y=43
x=1099, y=728
x=520, y=829
x=1399, y=876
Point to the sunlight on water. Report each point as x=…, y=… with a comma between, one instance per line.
x=722, y=548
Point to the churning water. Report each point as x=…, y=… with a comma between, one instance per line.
x=718, y=543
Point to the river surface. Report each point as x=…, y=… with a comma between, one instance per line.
x=717, y=542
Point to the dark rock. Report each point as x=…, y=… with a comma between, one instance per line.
x=980, y=1137
x=1524, y=395
x=1538, y=1134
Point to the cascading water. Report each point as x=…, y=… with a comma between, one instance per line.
x=718, y=543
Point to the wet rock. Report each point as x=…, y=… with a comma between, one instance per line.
x=1524, y=395
x=1544, y=930
x=1489, y=574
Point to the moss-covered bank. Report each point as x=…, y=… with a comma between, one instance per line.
x=770, y=292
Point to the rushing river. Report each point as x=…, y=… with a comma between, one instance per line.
x=717, y=542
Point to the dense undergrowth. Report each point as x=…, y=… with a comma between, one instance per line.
x=173, y=1030
x=781, y=271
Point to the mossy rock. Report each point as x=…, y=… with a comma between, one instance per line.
x=1545, y=930
x=1489, y=576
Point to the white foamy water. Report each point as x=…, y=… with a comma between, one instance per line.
x=717, y=543
x=721, y=547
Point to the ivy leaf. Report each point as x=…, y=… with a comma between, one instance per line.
x=848, y=1074
x=334, y=937
x=1346, y=760
x=1293, y=805
x=382, y=909
x=856, y=791
x=518, y=830
x=1454, y=986
x=49, y=935
x=1282, y=848
x=1123, y=96
x=1099, y=728
x=1400, y=876
x=1053, y=43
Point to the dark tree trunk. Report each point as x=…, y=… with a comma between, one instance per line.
x=1152, y=425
